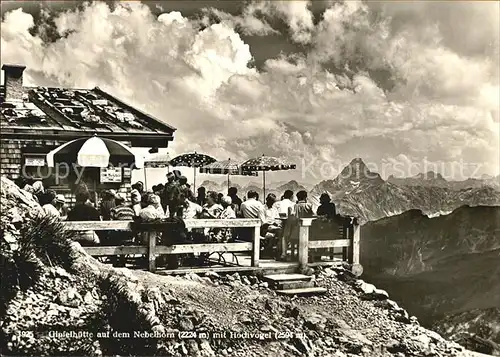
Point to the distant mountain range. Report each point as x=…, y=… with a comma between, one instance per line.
x=359, y=192
x=445, y=270
x=437, y=180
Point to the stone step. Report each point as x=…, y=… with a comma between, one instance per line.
x=303, y=291
x=286, y=277
x=289, y=285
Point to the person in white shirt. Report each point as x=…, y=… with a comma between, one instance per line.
x=253, y=208
x=212, y=209
x=151, y=211
x=224, y=234
x=191, y=210
x=286, y=203
x=227, y=211
x=272, y=227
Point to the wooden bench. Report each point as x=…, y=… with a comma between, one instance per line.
x=152, y=250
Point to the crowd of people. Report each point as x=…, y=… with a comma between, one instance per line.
x=175, y=199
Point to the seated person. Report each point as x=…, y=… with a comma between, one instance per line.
x=233, y=193
x=326, y=207
x=272, y=227
x=251, y=208
x=151, y=212
x=286, y=203
x=107, y=204
x=121, y=212
x=302, y=209
x=211, y=209
x=84, y=211
x=224, y=234
x=189, y=209
x=227, y=208
x=53, y=208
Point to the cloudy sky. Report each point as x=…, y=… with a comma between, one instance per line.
x=400, y=84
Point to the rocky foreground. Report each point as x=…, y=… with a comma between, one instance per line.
x=79, y=306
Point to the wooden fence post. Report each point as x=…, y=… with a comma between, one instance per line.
x=355, y=243
x=344, y=234
x=354, y=236
x=151, y=251
x=256, y=246
x=303, y=247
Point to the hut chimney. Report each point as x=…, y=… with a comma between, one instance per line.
x=13, y=82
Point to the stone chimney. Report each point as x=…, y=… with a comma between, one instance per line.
x=13, y=82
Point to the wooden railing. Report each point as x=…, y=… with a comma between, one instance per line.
x=152, y=249
x=350, y=244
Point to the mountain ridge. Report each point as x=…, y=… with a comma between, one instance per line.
x=444, y=269
x=371, y=198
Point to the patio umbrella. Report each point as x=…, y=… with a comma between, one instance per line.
x=193, y=160
x=156, y=160
x=94, y=152
x=266, y=163
x=226, y=167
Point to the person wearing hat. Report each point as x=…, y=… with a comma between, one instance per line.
x=177, y=175
x=61, y=205
x=54, y=207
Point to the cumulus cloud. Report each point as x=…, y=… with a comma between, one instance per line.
x=296, y=14
x=248, y=23
x=370, y=85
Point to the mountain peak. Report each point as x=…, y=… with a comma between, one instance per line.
x=430, y=175
x=291, y=185
x=357, y=161
x=358, y=171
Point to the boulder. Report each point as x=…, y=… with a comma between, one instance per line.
x=315, y=322
x=376, y=294
x=329, y=272
x=395, y=347
x=365, y=288
x=212, y=275
x=88, y=298
x=245, y=280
